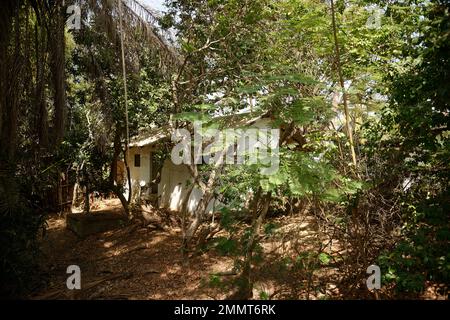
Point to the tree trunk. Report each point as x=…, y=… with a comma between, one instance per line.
x=41, y=107
x=245, y=288
x=57, y=50
x=184, y=211
x=11, y=69
x=127, y=167
x=76, y=198
x=341, y=81
x=200, y=211
x=113, y=173
x=7, y=14
x=86, y=200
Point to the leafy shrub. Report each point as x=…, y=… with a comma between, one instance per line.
x=19, y=227
x=424, y=253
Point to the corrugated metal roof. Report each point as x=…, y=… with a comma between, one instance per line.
x=231, y=121
x=149, y=138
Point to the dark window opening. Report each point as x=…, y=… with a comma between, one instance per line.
x=137, y=160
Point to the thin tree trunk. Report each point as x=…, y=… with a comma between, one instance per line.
x=86, y=200
x=12, y=104
x=199, y=213
x=341, y=81
x=42, y=116
x=185, y=213
x=115, y=158
x=113, y=173
x=245, y=288
x=127, y=167
x=124, y=75
x=123, y=201
x=76, y=195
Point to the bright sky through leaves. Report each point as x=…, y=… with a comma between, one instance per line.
x=155, y=4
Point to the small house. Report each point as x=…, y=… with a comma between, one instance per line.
x=162, y=179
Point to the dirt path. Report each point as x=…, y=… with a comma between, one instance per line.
x=133, y=262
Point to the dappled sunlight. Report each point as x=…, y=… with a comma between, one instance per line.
x=293, y=149
x=141, y=263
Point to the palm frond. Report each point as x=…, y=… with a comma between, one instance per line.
x=139, y=22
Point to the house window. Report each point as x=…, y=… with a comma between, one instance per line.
x=137, y=160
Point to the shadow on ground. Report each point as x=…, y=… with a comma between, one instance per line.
x=133, y=262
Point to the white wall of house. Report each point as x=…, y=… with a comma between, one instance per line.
x=174, y=186
x=140, y=175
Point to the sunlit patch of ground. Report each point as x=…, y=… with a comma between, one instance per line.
x=137, y=262
x=133, y=262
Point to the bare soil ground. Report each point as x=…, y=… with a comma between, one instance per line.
x=137, y=262
x=133, y=262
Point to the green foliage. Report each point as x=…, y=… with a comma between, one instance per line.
x=412, y=138
x=226, y=246
x=192, y=116
x=227, y=219
x=263, y=295
x=20, y=223
x=215, y=281
x=423, y=253
x=270, y=228
x=324, y=258
x=310, y=261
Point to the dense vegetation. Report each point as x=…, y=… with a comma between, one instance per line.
x=362, y=97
